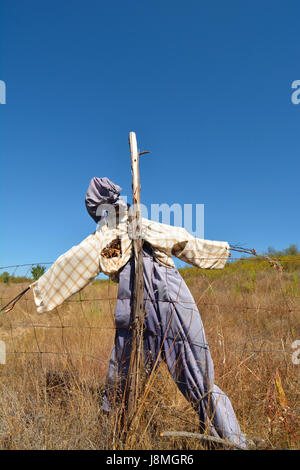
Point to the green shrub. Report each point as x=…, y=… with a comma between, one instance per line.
x=5, y=277
x=37, y=271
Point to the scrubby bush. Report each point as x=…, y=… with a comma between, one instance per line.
x=37, y=271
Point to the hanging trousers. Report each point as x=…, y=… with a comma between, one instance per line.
x=173, y=333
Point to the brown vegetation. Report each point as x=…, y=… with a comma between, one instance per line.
x=52, y=384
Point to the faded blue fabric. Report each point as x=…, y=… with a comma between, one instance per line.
x=173, y=332
x=101, y=191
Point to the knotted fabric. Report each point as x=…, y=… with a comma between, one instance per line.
x=101, y=191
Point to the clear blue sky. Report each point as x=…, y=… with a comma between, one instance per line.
x=206, y=85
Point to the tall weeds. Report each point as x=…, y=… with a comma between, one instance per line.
x=52, y=385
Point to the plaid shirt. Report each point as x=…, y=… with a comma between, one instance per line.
x=77, y=267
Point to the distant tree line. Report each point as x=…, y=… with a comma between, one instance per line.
x=292, y=250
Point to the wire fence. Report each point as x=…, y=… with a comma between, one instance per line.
x=232, y=258
x=14, y=327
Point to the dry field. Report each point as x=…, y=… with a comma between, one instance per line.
x=52, y=383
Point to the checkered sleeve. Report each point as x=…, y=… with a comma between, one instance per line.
x=71, y=272
x=206, y=254
x=176, y=241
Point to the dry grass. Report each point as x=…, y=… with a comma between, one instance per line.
x=53, y=400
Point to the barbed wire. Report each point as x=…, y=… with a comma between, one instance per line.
x=242, y=258
x=27, y=264
x=238, y=306
x=90, y=355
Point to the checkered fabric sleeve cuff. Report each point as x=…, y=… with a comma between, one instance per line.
x=206, y=254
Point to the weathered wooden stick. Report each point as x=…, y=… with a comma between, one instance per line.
x=244, y=250
x=136, y=358
x=202, y=437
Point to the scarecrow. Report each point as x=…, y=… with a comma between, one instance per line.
x=173, y=329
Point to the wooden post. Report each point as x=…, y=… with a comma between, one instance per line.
x=134, y=381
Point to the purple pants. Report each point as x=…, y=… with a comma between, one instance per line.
x=174, y=333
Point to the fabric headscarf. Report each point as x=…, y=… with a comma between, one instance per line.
x=101, y=191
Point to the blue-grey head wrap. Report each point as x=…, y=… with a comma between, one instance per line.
x=101, y=191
